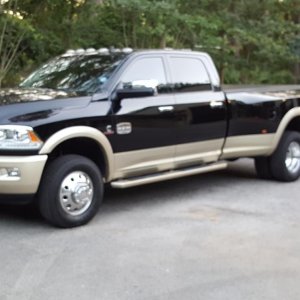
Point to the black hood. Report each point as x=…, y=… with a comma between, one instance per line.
x=23, y=95
x=39, y=106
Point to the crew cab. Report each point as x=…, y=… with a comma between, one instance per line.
x=89, y=118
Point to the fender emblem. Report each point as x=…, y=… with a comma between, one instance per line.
x=109, y=130
x=124, y=128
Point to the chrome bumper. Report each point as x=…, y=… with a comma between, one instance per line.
x=21, y=174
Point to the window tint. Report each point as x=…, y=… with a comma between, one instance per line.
x=189, y=75
x=146, y=72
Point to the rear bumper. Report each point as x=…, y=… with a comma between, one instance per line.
x=20, y=175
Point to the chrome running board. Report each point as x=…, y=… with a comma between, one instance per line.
x=135, y=181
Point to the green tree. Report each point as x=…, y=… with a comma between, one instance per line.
x=250, y=41
x=13, y=33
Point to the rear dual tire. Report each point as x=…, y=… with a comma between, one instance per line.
x=284, y=163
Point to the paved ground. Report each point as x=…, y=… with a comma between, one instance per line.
x=222, y=236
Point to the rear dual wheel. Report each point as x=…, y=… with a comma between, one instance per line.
x=71, y=191
x=284, y=163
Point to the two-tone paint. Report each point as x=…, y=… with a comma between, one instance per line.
x=167, y=131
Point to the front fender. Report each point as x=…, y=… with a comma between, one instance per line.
x=82, y=132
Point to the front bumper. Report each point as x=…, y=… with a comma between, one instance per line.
x=25, y=174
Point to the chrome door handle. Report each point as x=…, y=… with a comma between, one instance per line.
x=166, y=108
x=216, y=104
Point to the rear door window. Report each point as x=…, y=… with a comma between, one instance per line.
x=189, y=75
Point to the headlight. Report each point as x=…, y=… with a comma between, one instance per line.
x=17, y=137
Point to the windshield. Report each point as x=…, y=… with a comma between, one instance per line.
x=85, y=73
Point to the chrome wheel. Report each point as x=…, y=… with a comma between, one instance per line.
x=292, y=160
x=76, y=193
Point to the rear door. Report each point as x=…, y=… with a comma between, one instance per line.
x=200, y=112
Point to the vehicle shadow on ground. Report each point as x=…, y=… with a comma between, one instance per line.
x=25, y=214
x=152, y=194
x=237, y=174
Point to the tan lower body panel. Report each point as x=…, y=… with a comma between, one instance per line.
x=139, y=162
x=197, y=153
x=248, y=145
x=154, y=160
x=150, y=161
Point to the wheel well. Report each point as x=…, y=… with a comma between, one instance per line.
x=294, y=125
x=85, y=147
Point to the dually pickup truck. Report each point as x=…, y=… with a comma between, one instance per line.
x=126, y=118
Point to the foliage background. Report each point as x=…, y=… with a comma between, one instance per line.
x=255, y=41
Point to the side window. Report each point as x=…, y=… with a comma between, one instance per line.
x=189, y=75
x=146, y=72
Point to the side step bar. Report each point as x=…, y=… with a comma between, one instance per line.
x=127, y=183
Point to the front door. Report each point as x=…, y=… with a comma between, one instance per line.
x=144, y=139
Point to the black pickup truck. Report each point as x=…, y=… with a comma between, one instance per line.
x=127, y=118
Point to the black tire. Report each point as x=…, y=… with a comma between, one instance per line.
x=283, y=168
x=58, y=186
x=263, y=169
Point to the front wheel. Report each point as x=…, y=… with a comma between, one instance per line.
x=71, y=191
x=285, y=161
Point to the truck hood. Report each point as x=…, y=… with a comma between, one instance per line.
x=37, y=106
x=23, y=95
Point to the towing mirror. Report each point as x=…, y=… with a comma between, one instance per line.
x=135, y=93
x=138, y=89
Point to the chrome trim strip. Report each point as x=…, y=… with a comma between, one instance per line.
x=14, y=127
x=166, y=108
x=121, y=184
x=216, y=104
x=82, y=132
